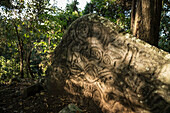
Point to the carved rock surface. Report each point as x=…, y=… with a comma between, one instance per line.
x=109, y=71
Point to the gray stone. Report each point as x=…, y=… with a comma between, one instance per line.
x=108, y=71
x=71, y=108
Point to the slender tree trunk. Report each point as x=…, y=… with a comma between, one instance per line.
x=145, y=20
x=28, y=63
x=49, y=42
x=133, y=9
x=20, y=47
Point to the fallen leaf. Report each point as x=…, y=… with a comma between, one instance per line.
x=46, y=105
x=10, y=107
x=42, y=93
x=45, y=100
x=20, y=103
x=26, y=108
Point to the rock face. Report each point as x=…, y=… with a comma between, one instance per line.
x=109, y=71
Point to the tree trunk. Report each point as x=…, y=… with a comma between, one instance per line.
x=49, y=42
x=20, y=48
x=28, y=63
x=145, y=20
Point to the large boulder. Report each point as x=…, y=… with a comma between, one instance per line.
x=108, y=71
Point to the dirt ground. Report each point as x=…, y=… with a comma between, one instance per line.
x=13, y=100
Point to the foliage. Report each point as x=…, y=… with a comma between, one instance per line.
x=33, y=33
x=70, y=14
x=9, y=68
x=40, y=27
x=164, y=41
x=112, y=10
x=6, y=3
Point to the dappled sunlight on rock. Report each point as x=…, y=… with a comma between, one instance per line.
x=107, y=71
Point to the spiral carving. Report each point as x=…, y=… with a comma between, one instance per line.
x=97, y=31
x=91, y=72
x=82, y=31
x=96, y=53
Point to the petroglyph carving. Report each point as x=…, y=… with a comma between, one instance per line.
x=113, y=71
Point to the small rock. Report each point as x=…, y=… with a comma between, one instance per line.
x=32, y=90
x=71, y=108
x=10, y=107
x=15, y=111
x=27, y=108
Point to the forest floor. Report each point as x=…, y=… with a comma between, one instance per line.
x=14, y=100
